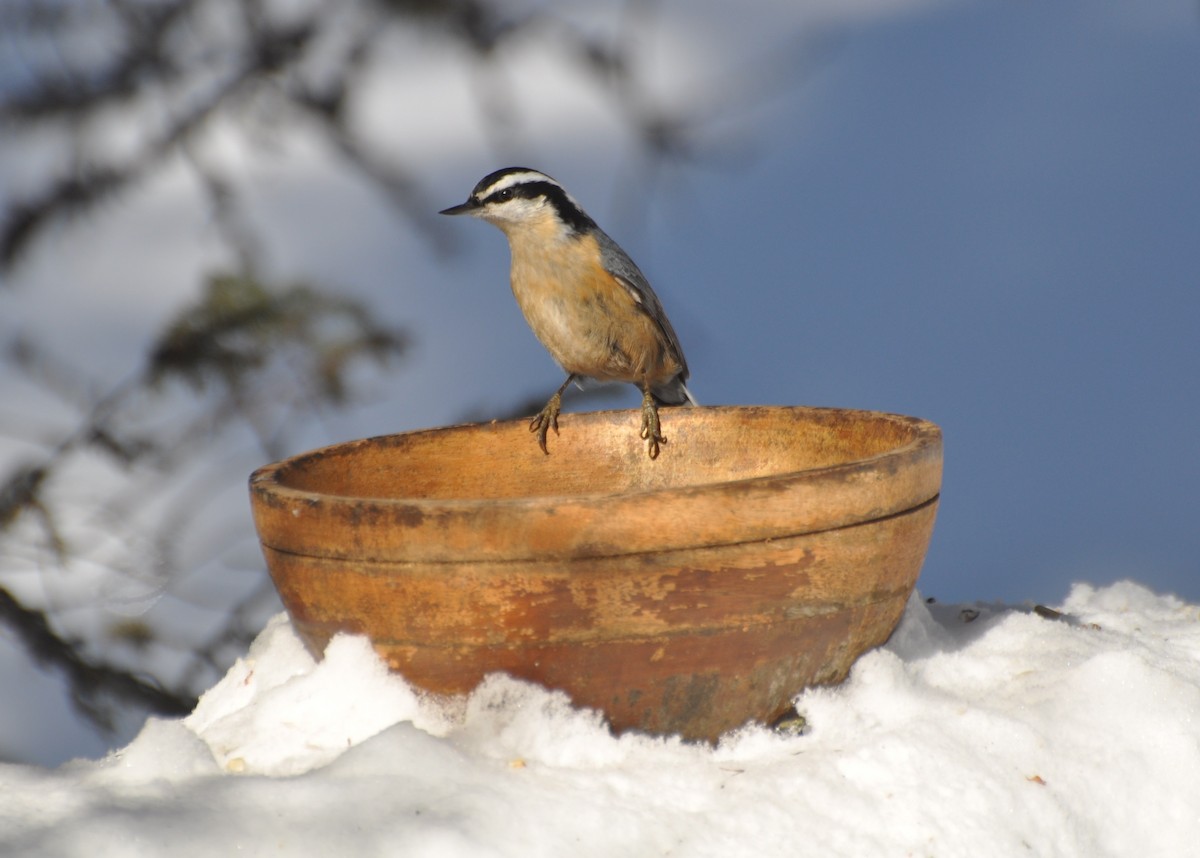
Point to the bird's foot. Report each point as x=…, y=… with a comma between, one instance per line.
x=651, y=428
x=546, y=420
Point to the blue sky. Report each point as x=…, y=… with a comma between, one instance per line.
x=987, y=216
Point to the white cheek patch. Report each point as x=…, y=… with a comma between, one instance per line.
x=514, y=210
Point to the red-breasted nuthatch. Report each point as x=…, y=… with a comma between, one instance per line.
x=582, y=295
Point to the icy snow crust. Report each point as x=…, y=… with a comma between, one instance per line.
x=976, y=731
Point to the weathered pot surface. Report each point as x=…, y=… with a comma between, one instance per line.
x=764, y=550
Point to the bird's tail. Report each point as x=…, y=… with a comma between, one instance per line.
x=674, y=392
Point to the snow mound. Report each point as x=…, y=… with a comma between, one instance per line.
x=978, y=730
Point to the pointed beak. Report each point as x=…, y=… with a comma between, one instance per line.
x=463, y=208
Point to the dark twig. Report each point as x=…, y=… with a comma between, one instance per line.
x=90, y=681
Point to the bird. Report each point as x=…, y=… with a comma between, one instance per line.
x=583, y=297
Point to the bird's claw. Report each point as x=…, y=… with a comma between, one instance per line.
x=545, y=420
x=651, y=431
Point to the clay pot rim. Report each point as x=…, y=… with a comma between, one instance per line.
x=927, y=438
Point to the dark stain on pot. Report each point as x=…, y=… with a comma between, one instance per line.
x=689, y=693
x=408, y=516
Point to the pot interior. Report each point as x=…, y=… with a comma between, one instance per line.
x=600, y=453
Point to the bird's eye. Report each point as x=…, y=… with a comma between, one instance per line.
x=506, y=194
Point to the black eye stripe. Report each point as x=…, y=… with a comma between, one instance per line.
x=553, y=194
x=526, y=191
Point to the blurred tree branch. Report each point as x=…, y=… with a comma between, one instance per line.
x=90, y=682
x=226, y=343
x=170, y=52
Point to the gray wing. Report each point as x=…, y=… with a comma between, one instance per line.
x=617, y=262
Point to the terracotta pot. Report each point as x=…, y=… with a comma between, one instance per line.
x=764, y=550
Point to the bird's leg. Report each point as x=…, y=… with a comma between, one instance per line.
x=547, y=418
x=651, y=428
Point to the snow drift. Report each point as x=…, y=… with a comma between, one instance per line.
x=978, y=730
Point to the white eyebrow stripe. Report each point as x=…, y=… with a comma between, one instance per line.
x=512, y=179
